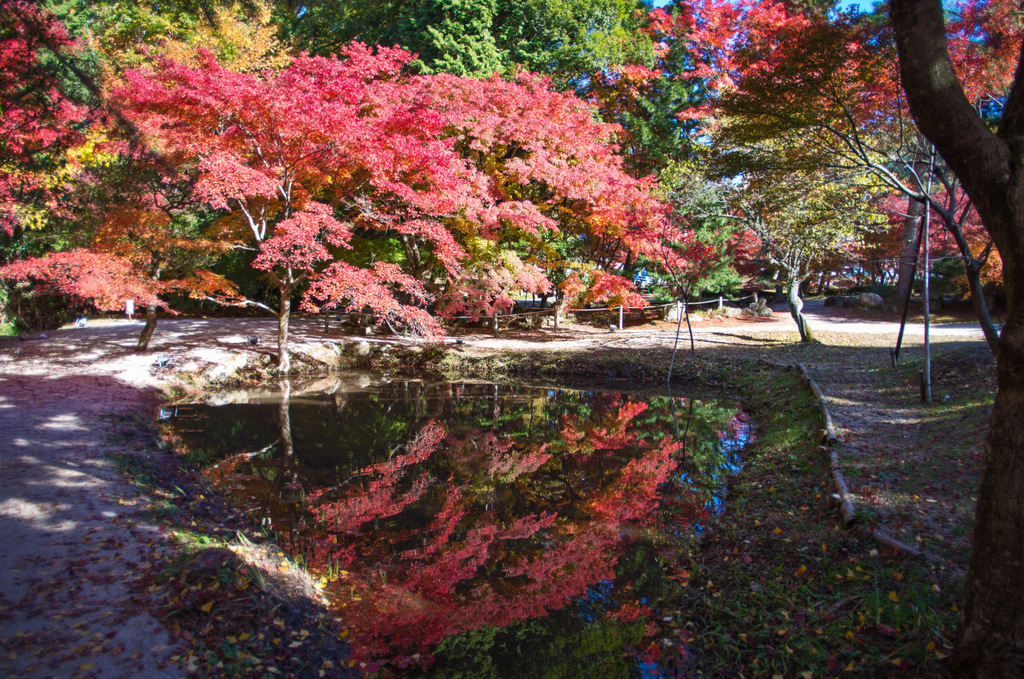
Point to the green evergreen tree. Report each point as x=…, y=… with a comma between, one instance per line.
x=453, y=36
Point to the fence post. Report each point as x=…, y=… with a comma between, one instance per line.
x=721, y=302
x=495, y=321
x=620, y=317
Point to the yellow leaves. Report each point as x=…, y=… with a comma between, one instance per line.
x=87, y=154
x=244, y=44
x=800, y=571
x=30, y=217
x=893, y=597
x=207, y=607
x=777, y=531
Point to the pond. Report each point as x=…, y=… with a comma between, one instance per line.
x=480, y=530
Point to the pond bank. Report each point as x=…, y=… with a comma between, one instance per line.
x=760, y=611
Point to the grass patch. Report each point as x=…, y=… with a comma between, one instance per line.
x=779, y=587
x=782, y=589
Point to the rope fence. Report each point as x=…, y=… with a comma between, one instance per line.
x=496, y=321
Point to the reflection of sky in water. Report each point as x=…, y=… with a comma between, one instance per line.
x=731, y=448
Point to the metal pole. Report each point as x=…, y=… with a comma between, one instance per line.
x=620, y=317
x=927, y=286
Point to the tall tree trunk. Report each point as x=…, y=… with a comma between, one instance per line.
x=155, y=270
x=912, y=225
x=988, y=327
x=148, y=329
x=284, y=363
x=990, y=166
x=796, y=306
x=908, y=245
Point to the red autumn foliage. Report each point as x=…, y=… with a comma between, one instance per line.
x=476, y=179
x=37, y=122
x=102, y=279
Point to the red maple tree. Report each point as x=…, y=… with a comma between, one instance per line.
x=478, y=181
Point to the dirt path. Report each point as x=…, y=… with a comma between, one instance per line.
x=78, y=554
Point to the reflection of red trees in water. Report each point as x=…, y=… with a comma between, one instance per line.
x=381, y=498
x=492, y=532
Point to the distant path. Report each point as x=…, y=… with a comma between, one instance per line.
x=739, y=331
x=837, y=319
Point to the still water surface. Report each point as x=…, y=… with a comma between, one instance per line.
x=475, y=529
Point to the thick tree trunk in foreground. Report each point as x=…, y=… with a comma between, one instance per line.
x=990, y=642
x=796, y=307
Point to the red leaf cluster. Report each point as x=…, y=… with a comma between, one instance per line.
x=102, y=279
x=36, y=121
